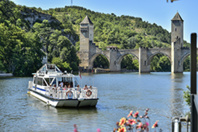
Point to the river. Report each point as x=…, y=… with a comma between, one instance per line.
x=119, y=93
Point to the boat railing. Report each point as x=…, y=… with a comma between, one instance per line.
x=89, y=93
x=71, y=93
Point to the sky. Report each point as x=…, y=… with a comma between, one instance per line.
x=153, y=11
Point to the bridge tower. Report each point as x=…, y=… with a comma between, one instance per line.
x=86, y=40
x=176, y=43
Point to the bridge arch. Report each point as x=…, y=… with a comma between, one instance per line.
x=151, y=57
x=95, y=56
x=183, y=58
x=157, y=65
x=120, y=58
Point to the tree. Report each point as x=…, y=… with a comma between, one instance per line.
x=101, y=62
x=44, y=31
x=129, y=62
x=8, y=11
x=64, y=66
x=160, y=63
x=19, y=52
x=186, y=64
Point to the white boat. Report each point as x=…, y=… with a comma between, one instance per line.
x=59, y=89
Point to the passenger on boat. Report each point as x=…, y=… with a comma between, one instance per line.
x=65, y=87
x=90, y=87
x=59, y=88
x=55, y=88
x=85, y=88
x=78, y=91
x=78, y=88
x=61, y=84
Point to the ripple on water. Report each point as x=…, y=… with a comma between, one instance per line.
x=118, y=94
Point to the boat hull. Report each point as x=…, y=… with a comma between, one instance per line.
x=64, y=102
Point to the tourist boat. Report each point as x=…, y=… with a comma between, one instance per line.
x=59, y=89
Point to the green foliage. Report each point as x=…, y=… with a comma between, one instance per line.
x=160, y=63
x=2, y=68
x=22, y=47
x=77, y=46
x=64, y=66
x=129, y=62
x=112, y=29
x=57, y=45
x=186, y=64
x=187, y=96
x=18, y=50
x=43, y=30
x=101, y=62
x=8, y=11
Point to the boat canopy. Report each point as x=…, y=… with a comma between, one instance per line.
x=49, y=68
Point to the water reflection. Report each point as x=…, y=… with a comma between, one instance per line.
x=176, y=76
x=178, y=106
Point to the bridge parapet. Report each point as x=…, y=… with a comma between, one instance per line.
x=112, y=48
x=154, y=51
x=122, y=52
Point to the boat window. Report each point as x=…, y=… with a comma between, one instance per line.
x=49, y=80
x=43, y=82
x=59, y=79
x=39, y=81
x=42, y=70
x=50, y=66
x=53, y=82
x=67, y=81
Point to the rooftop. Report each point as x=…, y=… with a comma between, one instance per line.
x=177, y=17
x=86, y=20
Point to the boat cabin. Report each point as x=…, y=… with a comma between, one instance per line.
x=51, y=75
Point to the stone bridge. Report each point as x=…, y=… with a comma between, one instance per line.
x=176, y=54
x=144, y=55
